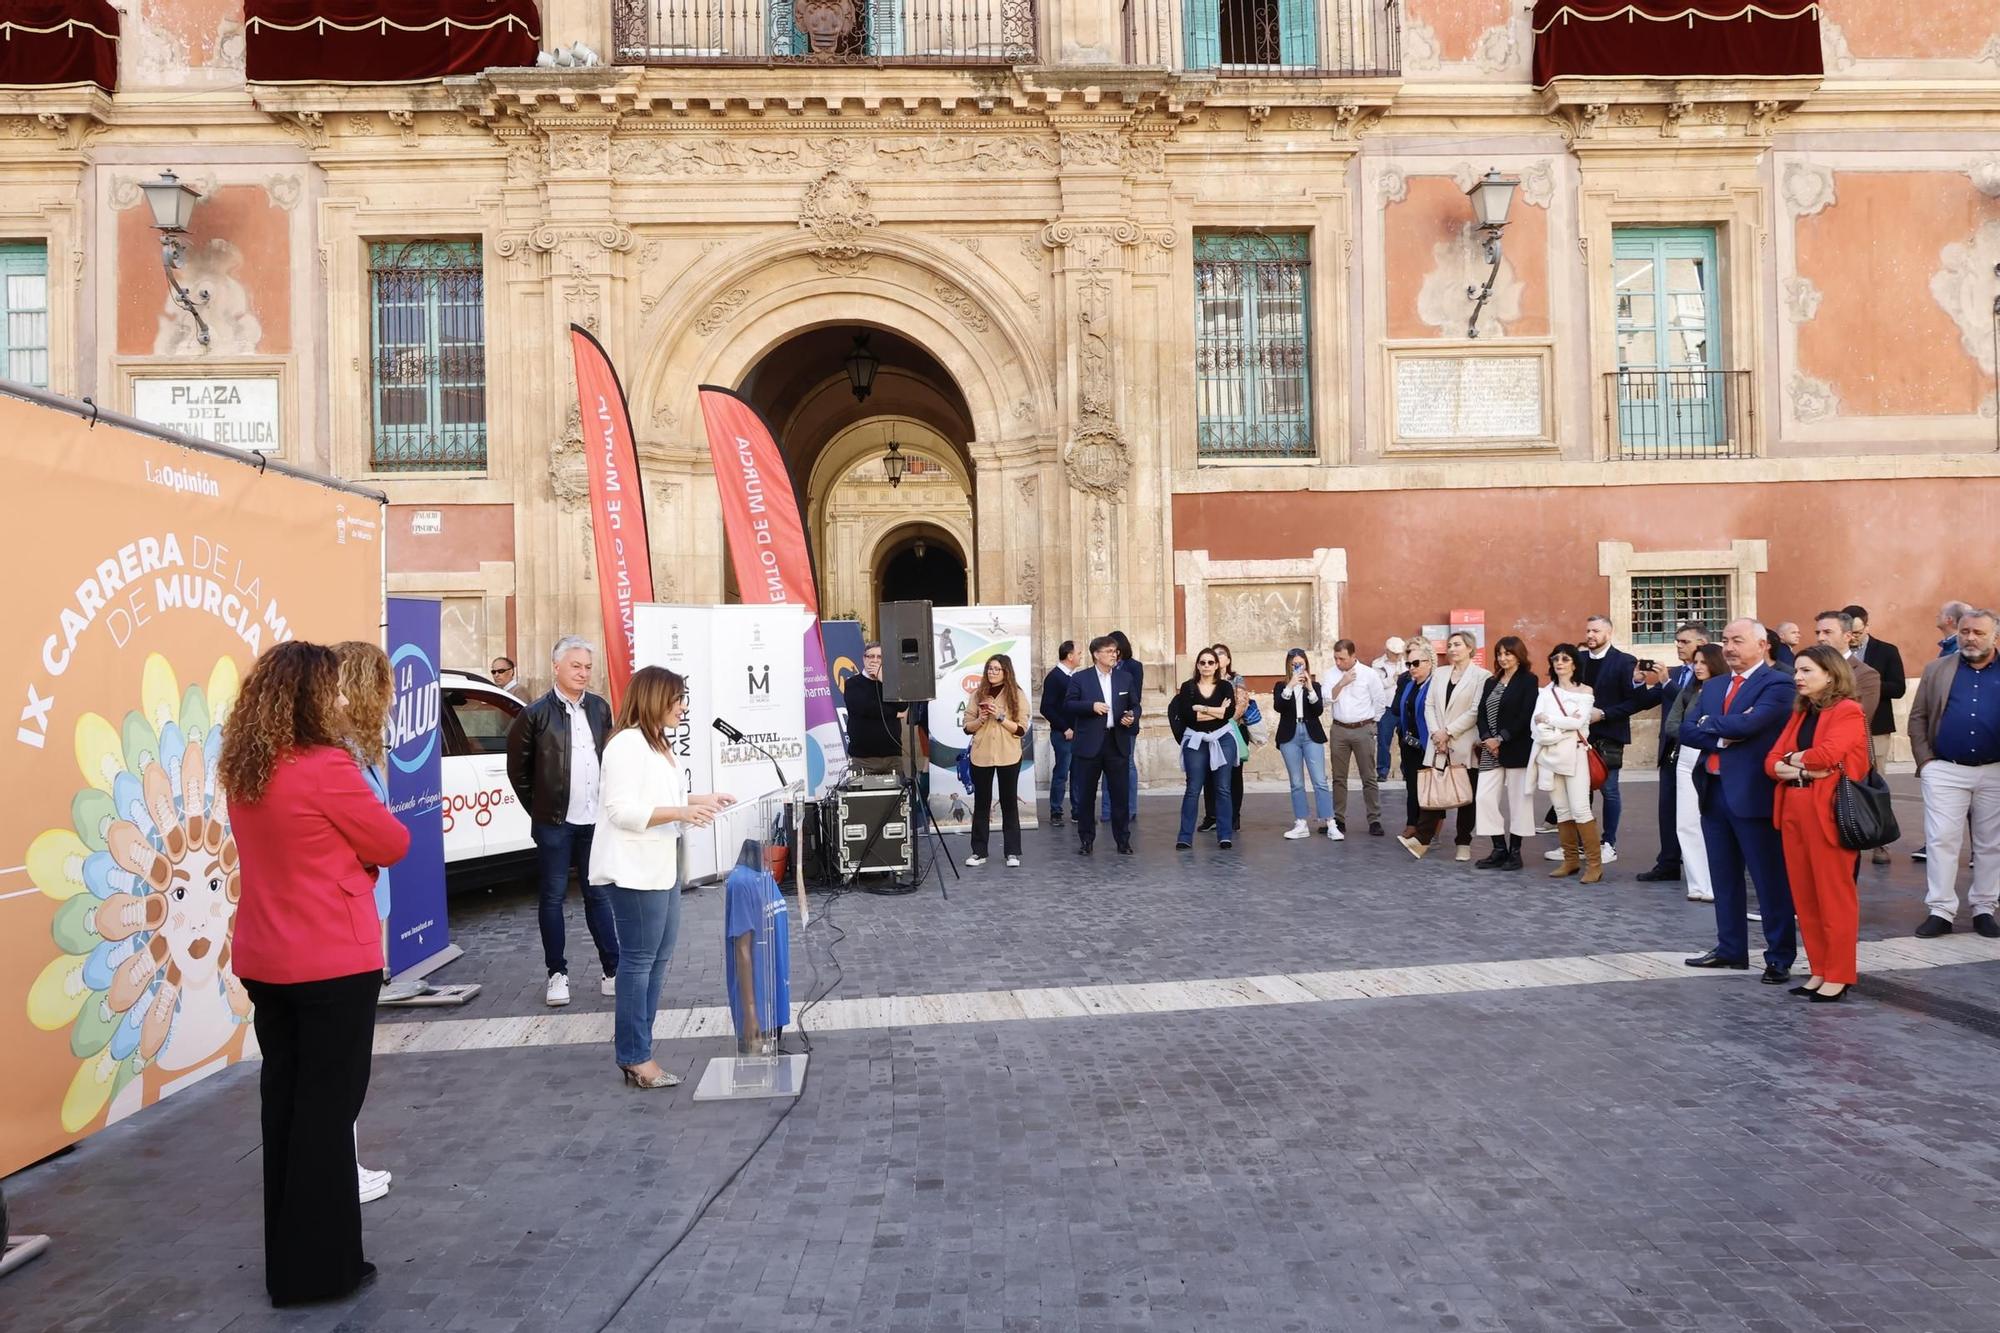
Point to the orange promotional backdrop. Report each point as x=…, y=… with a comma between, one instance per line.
x=142, y=580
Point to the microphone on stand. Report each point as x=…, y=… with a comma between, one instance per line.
x=736, y=737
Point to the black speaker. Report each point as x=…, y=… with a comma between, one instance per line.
x=909, y=668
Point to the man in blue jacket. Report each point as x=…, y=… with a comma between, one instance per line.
x=1734, y=723
x=1103, y=709
x=1055, y=689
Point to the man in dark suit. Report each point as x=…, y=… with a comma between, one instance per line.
x=1888, y=663
x=1103, y=709
x=1665, y=688
x=1734, y=723
x=1609, y=671
x=1055, y=691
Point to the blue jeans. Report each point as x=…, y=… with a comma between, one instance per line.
x=1306, y=758
x=1194, y=764
x=1384, y=734
x=648, y=922
x=1061, y=785
x=558, y=848
x=1614, y=805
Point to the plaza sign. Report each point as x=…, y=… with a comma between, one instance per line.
x=240, y=413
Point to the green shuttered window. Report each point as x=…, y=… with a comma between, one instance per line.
x=428, y=316
x=24, y=312
x=1253, y=345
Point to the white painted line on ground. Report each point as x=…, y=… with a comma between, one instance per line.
x=962, y=1008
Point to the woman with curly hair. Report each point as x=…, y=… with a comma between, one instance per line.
x=308, y=946
x=368, y=687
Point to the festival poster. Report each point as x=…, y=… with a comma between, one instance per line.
x=772, y=556
x=964, y=639
x=842, y=640
x=418, y=930
x=144, y=578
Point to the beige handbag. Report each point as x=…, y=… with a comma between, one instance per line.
x=1443, y=785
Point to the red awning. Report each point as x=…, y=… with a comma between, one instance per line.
x=386, y=41
x=49, y=43
x=1675, y=39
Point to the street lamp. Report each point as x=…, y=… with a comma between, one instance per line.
x=172, y=202
x=894, y=464
x=861, y=367
x=1491, y=195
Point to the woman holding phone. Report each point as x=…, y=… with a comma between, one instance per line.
x=1301, y=740
x=996, y=718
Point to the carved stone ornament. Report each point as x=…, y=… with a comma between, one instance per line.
x=1097, y=460
x=721, y=310
x=825, y=22
x=581, y=154
x=961, y=305
x=569, y=476
x=836, y=212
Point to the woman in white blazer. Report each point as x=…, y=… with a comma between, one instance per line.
x=1561, y=761
x=643, y=803
x=1451, y=711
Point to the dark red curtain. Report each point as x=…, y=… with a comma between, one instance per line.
x=45, y=43
x=1668, y=39
x=386, y=41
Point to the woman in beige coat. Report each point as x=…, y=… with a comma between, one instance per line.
x=1451, y=710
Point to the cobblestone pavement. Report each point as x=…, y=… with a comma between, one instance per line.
x=1711, y=1155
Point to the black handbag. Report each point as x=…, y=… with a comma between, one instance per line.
x=1863, y=814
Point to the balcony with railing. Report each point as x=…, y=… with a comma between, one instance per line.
x=1266, y=38
x=1679, y=413
x=823, y=32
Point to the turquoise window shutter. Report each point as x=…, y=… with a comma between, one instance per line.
x=786, y=39
x=1201, y=33
x=885, y=27
x=24, y=313
x=1298, y=34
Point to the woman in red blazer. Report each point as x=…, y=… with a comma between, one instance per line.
x=1826, y=736
x=308, y=947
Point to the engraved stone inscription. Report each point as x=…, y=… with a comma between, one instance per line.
x=1468, y=398
x=1263, y=618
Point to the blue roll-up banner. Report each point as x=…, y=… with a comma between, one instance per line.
x=418, y=931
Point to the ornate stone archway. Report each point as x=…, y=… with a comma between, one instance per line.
x=714, y=328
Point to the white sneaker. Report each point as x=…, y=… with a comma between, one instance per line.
x=1697, y=896
x=1606, y=854
x=1298, y=830
x=1556, y=854
x=374, y=1184
x=975, y=860
x=1334, y=834
x=557, y=994
x=608, y=987
x=1756, y=916
x=1013, y=863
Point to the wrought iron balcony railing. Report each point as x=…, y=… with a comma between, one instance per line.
x=823, y=32
x=1266, y=38
x=1680, y=412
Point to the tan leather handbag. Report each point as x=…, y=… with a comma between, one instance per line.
x=1443, y=785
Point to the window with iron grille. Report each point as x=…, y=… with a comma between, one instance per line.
x=1253, y=342
x=428, y=308
x=1662, y=603
x=24, y=313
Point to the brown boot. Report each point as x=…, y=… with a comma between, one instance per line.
x=1593, y=855
x=1571, y=864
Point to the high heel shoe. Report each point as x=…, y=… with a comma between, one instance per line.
x=1805, y=990
x=1821, y=997
x=634, y=1079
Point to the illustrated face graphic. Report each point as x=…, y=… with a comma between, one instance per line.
x=198, y=914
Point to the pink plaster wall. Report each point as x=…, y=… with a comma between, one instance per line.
x=250, y=290
x=1914, y=29
x=1459, y=24
x=1434, y=211
x=1879, y=337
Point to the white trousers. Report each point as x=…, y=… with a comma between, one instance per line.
x=1505, y=803
x=1951, y=793
x=1571, y=797
x=1687, y=825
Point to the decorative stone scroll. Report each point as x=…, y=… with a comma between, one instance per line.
x=836, y=212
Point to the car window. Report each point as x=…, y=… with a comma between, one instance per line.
x=483, y=719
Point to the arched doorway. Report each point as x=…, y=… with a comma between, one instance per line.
x=835, y=441
x=920, y=562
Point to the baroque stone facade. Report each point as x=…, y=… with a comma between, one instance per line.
x=1024, y=241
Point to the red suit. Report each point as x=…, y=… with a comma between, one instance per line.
x=1821, y=870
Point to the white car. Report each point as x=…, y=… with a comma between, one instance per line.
x=485, y=829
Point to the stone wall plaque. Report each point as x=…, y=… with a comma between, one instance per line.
x=242, y=413
x=1264, y=616
x=1493, y=397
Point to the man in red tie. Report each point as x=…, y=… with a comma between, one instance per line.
x=1734, y=722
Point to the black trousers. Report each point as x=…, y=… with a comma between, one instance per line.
x=1428, y=821
x=1413, y=759
x=316, y=1037
x=1009, y=778
x=1670, y=843
x=1115, y=770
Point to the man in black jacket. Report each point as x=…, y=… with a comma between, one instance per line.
x=874, y=725
x=1055, y=689
x=1888, y=664
x=1663, y=689
x=1609, y=671
x=553, y=750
